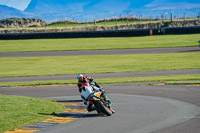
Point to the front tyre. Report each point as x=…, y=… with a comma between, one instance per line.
x=103, y=109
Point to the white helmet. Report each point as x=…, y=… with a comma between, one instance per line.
x=79, y=76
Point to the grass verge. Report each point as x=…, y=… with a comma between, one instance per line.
x=19, y=111
x=57, y=65
x=183, y=83
x=107, y=80
x=99, y=43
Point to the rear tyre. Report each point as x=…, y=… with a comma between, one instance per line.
x=103, y=109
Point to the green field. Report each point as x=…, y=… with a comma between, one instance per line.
x=57, y=65
x=111, y=22
x=160, y=41
x=100, y=23
x=18, y=111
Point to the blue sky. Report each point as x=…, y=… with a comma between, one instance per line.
x=89, y=10
x=22, y=4
x=18, y=4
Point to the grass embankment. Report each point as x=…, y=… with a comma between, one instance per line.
x=31, y=66
x=112, y=80
x=110, y=22
x=183, y=83
x=160, y=41
x=18, y=111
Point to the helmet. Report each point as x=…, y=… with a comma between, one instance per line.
x=79, y=76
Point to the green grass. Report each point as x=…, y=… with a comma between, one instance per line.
x=29, y=66
x=99, y=43
x=19, y=111
x=61, y=24
x=57, y=65
x=183, y=83
x=111, y=22
x=108, y=80
x=148, y=79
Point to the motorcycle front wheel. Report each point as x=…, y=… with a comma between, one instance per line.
x=103, y=109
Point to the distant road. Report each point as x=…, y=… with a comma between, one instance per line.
x=101, y=52
x=103, y=75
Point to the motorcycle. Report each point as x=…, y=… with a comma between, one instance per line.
x=91, y=95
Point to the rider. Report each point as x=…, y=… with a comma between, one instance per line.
x=84, y=79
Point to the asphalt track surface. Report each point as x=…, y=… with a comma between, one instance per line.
x=140, y=108
x=176, y=113
x=103, y=75
x=101, y=52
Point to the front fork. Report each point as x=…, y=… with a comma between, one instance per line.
x=107, y=100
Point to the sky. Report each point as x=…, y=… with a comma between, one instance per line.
x=22, y=4
x=18, y=4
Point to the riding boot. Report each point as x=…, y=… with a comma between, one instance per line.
x=91, y=107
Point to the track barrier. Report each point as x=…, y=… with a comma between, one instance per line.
x=111, y=33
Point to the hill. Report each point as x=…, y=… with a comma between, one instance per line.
x=81, y=10
x=21, y=22
x=88, y=10
x=10, y=12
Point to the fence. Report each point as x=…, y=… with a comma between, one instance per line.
x=89, y=34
